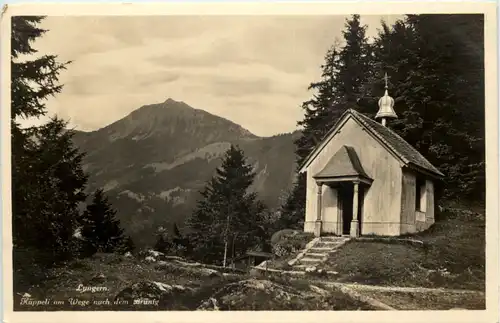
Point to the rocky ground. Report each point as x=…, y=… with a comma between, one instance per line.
x=445, y=271
x=157, y=282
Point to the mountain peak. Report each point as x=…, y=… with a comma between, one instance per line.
x=163, y=121
x=178, y=104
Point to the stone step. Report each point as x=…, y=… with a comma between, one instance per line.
x=301, y=266
x=330, y=243
x=333, y=238
x=314, y=254
x=310, y=260
x=321, y=249
x=329, y=246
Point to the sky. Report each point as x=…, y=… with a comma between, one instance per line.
x=252, y=70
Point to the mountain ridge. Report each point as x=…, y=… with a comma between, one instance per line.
x=181, y=108
x=170, y=100
x=153, y=162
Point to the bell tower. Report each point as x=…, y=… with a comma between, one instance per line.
x=386, y=106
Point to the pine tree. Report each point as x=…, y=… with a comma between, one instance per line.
x=179, y=239
x=100, y=229
x=177, y=232
x=32, y=80
x=344, y=74
x=127, y=246
x=436, y=69
x=227, y=212
x=293, y=209
x=51, y=190
x=162, y=244
x=451, y=97
x=435, y=65
x=47, y=179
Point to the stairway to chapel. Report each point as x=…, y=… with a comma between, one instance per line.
x=319, y=252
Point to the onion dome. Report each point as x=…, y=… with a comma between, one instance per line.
x=386, y=106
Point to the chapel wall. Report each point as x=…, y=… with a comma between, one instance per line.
x=382, y=203
x=415, y=219
x=408, y=212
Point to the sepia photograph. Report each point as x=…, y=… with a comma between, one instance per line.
x=260, y=162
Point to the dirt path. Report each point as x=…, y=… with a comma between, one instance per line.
x=402, y=289
x=365, y=298
x=403, y=298
x=413, y=298
x=378, y=288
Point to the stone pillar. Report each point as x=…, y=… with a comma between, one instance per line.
x=355, y=223
x=319, y=206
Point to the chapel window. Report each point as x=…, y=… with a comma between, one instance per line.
x=420, y=195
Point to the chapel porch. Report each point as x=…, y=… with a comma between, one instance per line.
x=345, y=183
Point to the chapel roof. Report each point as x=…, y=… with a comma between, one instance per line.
x=345, y=162
x=391, y=140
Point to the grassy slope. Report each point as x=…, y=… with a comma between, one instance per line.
x=428, y=301
x=456, y=243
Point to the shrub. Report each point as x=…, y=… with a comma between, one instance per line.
x=290, y=241
x=278, y=235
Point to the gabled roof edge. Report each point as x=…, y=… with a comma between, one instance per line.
x=427, y=172
x=352, y=113
x=323, y=141
x=343, y=118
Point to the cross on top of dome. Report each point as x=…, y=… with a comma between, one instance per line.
x=386, y=105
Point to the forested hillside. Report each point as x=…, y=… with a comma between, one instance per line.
x=435, y=65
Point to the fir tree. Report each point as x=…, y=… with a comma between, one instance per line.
x=162, y=244
x=435, y=65
x=451, y=98
x=100, y=229
x=127, y=246
x=227, y=212
x=344, y=74
x=179, y=239
x=51, y=185
x=436, y=69
x=47, y=179
x=32, y=80
x=177, y=232
x=172, y=242
x=293, y=209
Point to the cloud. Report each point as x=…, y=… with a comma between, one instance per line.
x=253, y=70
